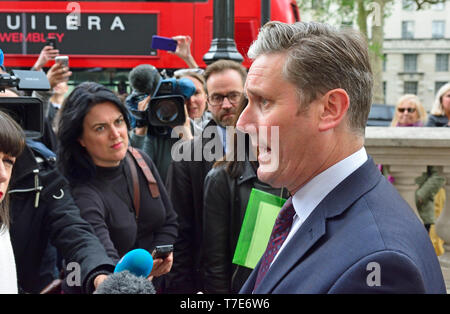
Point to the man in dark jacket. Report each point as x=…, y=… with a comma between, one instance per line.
x=42, y=210
x=225, y=84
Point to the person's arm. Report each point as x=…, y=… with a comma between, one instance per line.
x=381, y=272
x=431, y=186
x=184, y=50
x=216, y=233
x=55, y=75
x=142, y=105
x=92, y=210
x=71, y=234
x=47, y=53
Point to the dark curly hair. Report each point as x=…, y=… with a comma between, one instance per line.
x=73, y=159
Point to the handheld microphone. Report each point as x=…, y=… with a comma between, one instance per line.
x=139, y=262
x=144, y=78
x=125, y=283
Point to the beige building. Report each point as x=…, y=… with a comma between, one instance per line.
x=416, y=49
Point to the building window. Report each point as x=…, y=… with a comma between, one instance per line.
x=438, y=29
x=410, y=88
x=438, y=85
x=384, y=91
x=410, y=62
x=407, y=29
x=442, y=62
x=384, y=62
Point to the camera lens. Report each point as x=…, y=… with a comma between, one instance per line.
x=166, y=111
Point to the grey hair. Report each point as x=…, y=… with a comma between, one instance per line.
x=437, y=108
x=321, y=58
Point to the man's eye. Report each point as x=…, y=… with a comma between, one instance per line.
x=99, y=128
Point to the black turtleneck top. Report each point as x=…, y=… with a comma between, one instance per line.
x=106, y=202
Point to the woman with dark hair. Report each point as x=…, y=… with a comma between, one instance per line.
x=11, y=145
x=226, y=194
x=95, y=157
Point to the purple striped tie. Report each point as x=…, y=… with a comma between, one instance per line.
x=279, y=233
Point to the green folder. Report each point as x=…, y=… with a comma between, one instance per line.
x=260, y=215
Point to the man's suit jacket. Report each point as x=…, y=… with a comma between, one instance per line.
x=362, y=238
x=184, y=184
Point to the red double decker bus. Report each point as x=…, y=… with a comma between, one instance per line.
x=118, y=34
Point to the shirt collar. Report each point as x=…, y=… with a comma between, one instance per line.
x=312, y=193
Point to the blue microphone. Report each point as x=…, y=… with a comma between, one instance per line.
x=139, y=262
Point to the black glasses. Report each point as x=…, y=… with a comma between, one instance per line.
x=410, y=110
x=217, y=99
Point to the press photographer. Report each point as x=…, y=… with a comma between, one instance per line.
x=162, y=108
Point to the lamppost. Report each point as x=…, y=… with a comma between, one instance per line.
x=223, y=45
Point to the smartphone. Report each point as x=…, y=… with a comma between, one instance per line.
x=51, y=42
x=64, y=60
x=162, y=251
x=164, y=43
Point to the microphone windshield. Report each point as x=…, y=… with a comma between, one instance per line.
x=125, y=283
x=144, y=78
x=139, y=262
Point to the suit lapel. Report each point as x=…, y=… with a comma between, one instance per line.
x=335, y=203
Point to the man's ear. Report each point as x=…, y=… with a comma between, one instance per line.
x=335, y=106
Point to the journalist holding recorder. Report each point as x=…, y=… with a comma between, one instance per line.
x=120, y=194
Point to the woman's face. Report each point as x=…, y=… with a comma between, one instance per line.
x=446, y=103
x=196, y=104
x=407, y=113
x=6, y=166
x=105, y=135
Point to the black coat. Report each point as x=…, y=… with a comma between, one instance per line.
x=185, y=187
x=437, y=121
x=225, y=203
x=56, y=218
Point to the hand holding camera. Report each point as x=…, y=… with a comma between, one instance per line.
x=47, y=53
x=58, y=73
x=183, y=50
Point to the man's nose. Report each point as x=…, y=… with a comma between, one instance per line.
x=226, y=104
x=246, y=120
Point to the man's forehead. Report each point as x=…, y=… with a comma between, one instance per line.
x=263, y=69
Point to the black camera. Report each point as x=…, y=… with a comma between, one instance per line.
x=166, y=107
x=8, y=81
x=28, y=112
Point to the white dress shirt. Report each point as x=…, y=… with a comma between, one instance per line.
x=306, y=199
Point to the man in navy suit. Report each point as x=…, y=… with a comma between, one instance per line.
x=310, y=85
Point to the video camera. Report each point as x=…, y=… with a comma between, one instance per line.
x=28, y=112
x=166, y=107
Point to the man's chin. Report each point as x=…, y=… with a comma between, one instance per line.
x=227, y=120
x=269, y=177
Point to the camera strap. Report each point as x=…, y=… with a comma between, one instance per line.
x=152, y=184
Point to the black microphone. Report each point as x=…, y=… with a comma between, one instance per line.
x=144, y=79
x=125, y=282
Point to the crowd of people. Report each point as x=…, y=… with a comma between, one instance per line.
x=102, y=182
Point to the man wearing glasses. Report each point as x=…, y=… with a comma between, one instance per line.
x=225, y=85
